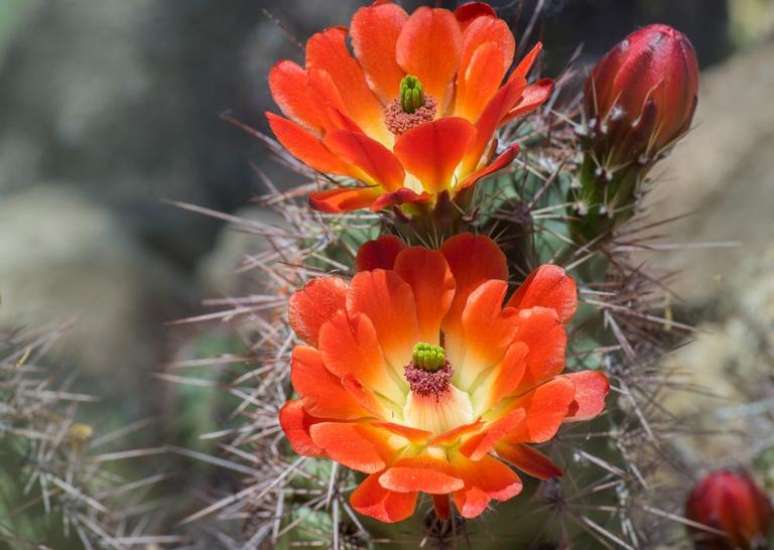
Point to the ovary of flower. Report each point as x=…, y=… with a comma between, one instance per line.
x=412, y=112
x=420, y=373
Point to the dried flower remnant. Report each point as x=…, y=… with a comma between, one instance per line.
x=413, y=113
x=420, y=374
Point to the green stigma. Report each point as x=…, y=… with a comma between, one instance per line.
x=411, y=95
x=428, y=357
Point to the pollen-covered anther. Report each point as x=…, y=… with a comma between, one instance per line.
x=411, y=108
x=429, y=373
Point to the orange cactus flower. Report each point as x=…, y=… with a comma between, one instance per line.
x=413, y=112
x=420, y=374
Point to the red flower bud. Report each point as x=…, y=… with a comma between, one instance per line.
x=730, y=502
x=642, y=95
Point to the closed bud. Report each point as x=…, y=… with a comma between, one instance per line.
x=638, y=100
x=736, y=510
x=642, y=95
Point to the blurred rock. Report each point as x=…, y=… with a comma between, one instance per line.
x=722, y=174
x=229, y=270
x=65, y=257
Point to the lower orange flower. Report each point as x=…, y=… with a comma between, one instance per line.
x=418, y=373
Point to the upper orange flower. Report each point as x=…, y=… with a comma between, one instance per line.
x=415, y=373
x=413, y=113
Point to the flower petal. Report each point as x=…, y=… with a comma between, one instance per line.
x=314, y=304
x=429, y=47
x=388, y=301
x=289, y=85
x=349, y=346
x=401, y=196
x=374, y=30
x=546, y=338
x=526, y=63
x=428, y=275
x=295, y=423
x=305, y=146
x=481, y=444
x=529, y=460
x=344, y=199
x=350, y=445
x=490, y=264
x=323, y=393
x=502, y=161
x=432, y=151
x=591, y=388
x=478, y=80
x=379, y=253
x=548, y=286
x=373, y=500
x=422, y=473
x=469, y=11
x=327, y=50
x=533, y=97
x=370, y=156
x=504, y=380
x=547, y=406
x=485, y=480
x=490, y=119
x=488, y=331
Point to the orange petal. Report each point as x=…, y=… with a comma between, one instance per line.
x=401, y=196
x=470, y=11
x=429, y=47
x=526, y=63
x=453, y=436
x=314, y=304
x=548, y=286
x=388, y=301
x=418, y=437
x=504, y=380
x=591, y=388
x=289, y=85
x=441, y=506
x=428, y=275
x=490, y=119
x=502, y=161
x=546, y=338
x=306, y=147
x=323, y=393
x=489, y=264
x=547, y=406
x=373, y=500
x=478, y=80
x=529, y=460
x=432, y=151
x=533, y=97
x=480, y=445
x=379, y=253
x=327, y=50
x=488, y=331
x=349, y=346
x=343, y=199
x=425, y=474
x=488, y=29
x=347, y=444
x=484, y=480
x=295, y=423
x=374, y=31
x=487, y=53
x=370, y=156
